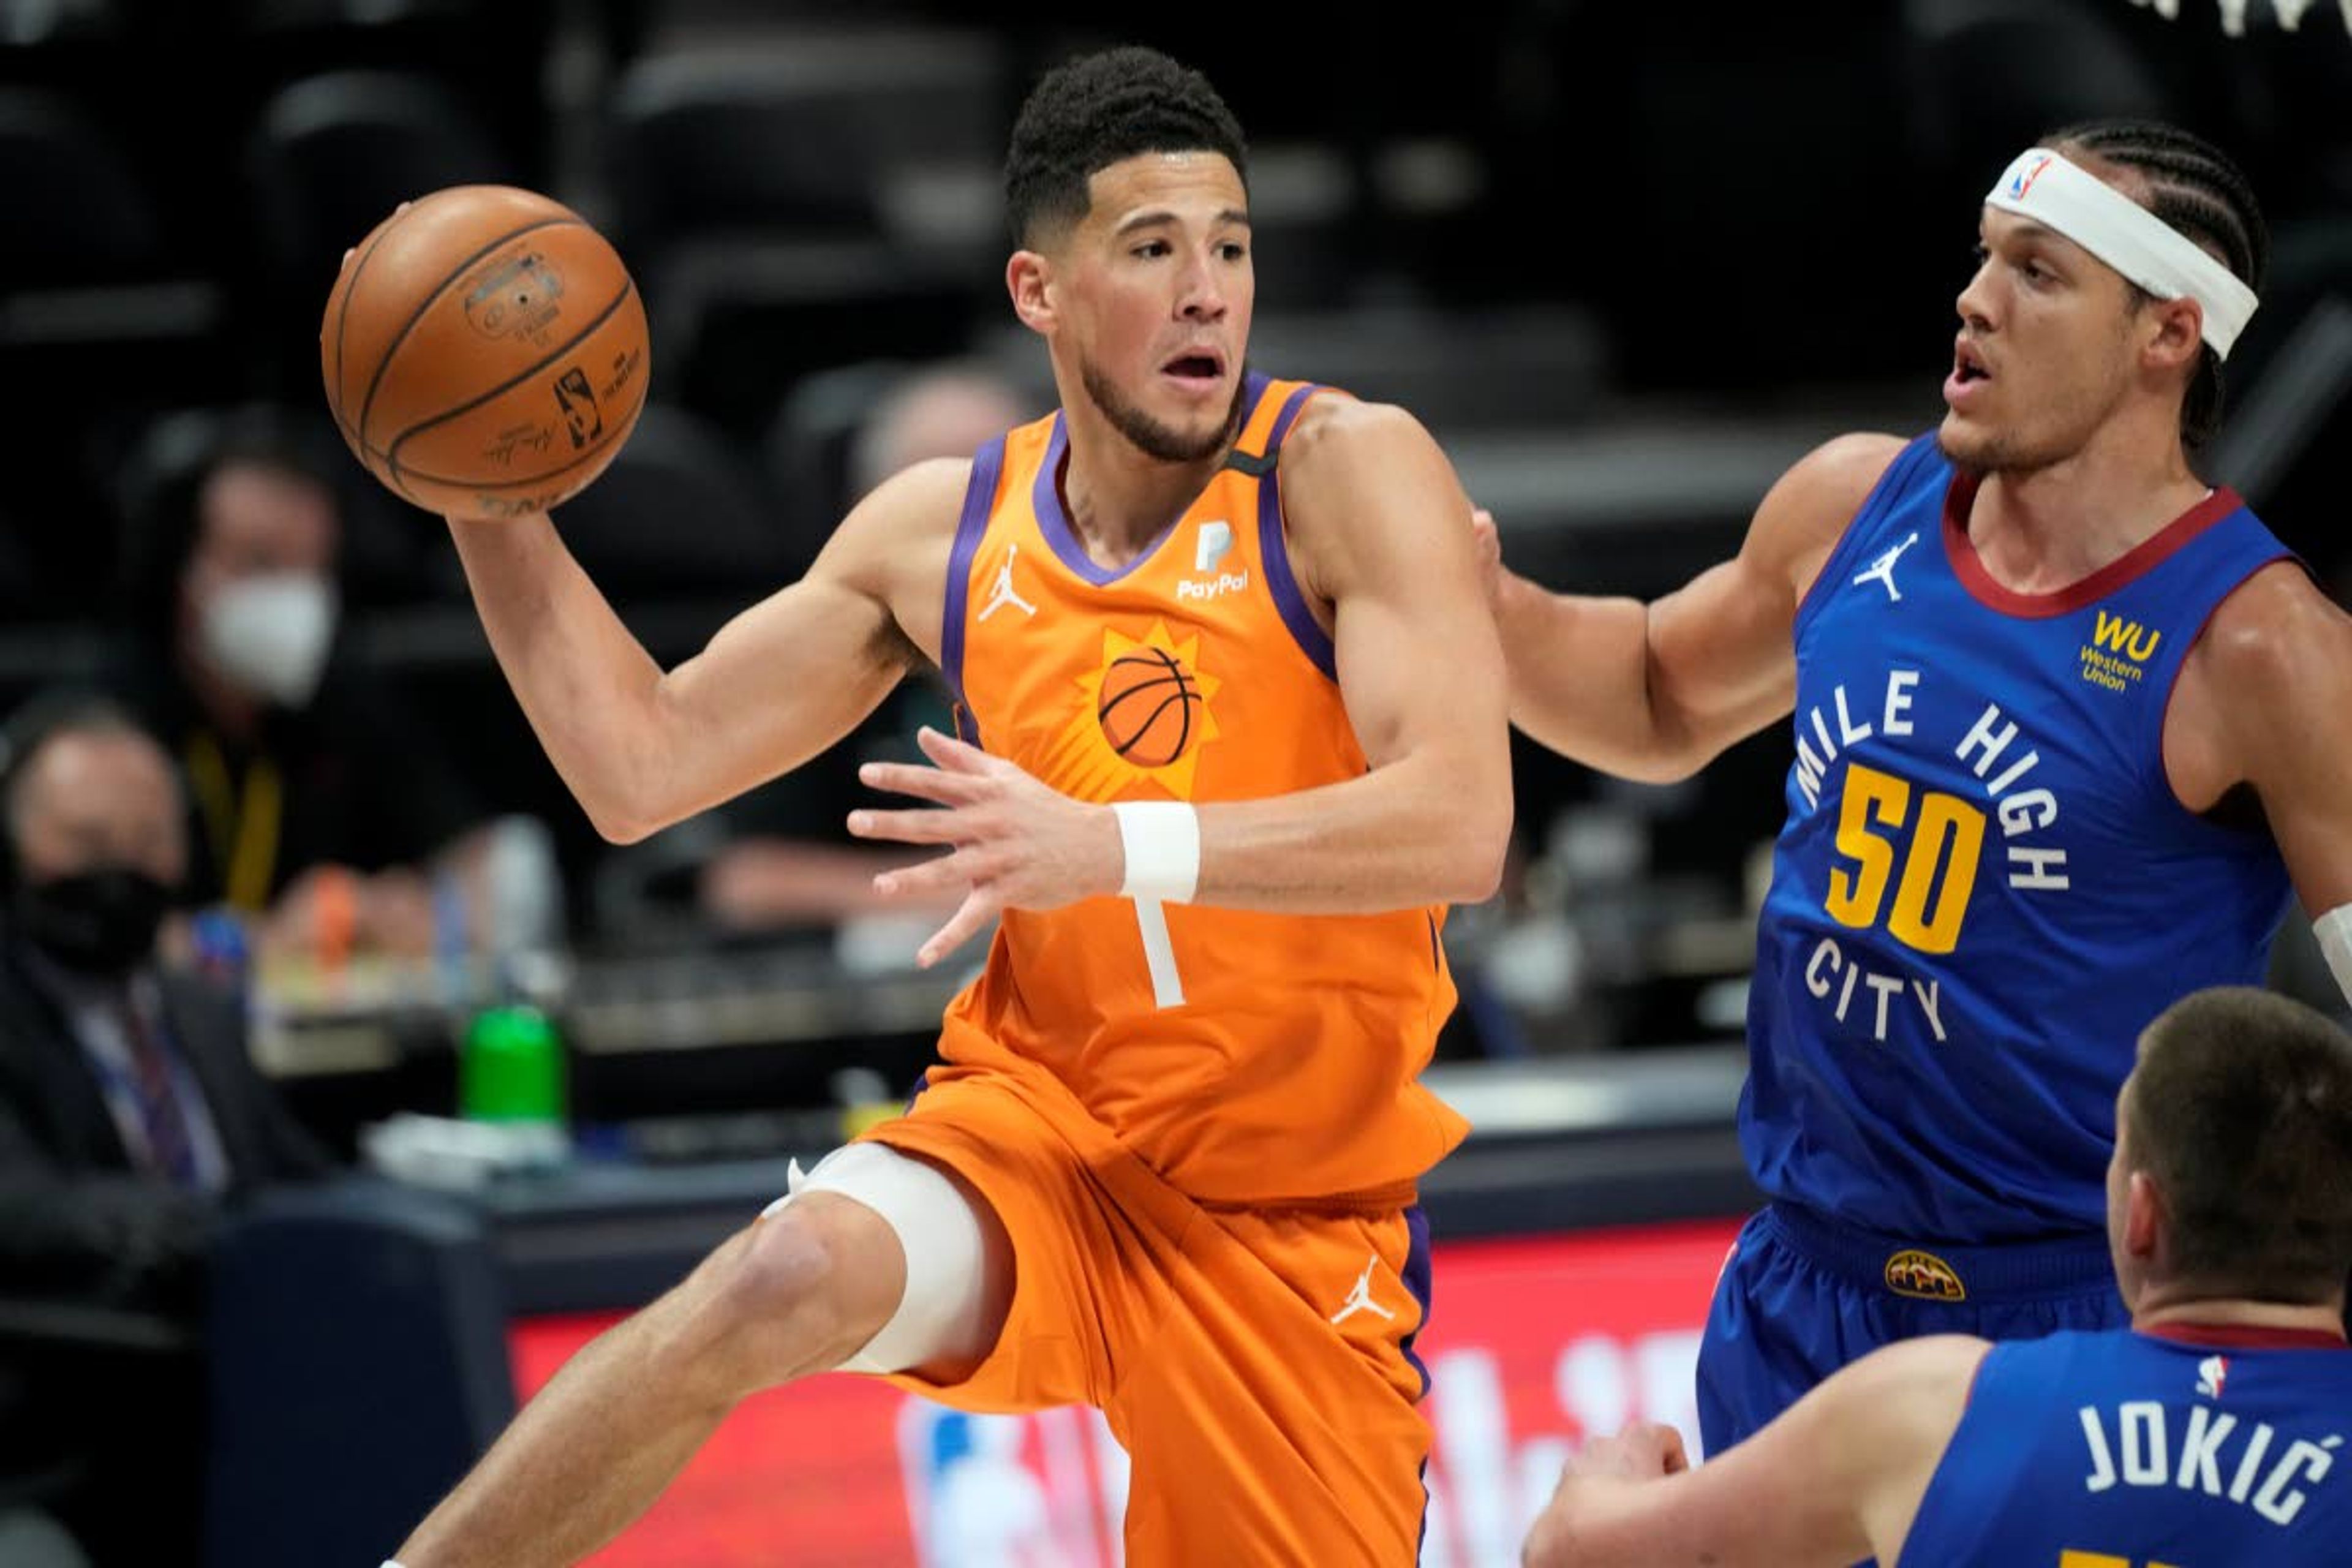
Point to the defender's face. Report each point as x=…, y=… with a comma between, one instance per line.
x=2044, y=351
x=1157, y=295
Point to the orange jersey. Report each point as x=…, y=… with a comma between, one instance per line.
x=1248, y=1058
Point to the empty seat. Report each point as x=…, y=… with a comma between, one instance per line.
x=76, y=213
x=797, y=132
x=1985, y=77
x=676, y=517
x=332, y=155
x=791, y=201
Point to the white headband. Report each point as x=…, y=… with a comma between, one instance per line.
x=2071, y=201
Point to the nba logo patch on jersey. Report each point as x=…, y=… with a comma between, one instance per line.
x=2212, y=1373
x=1925, y=1276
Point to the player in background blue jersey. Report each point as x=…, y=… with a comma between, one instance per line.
x=2068, y=724
x=2211, y=1432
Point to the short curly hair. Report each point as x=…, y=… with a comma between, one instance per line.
x=1093, y=112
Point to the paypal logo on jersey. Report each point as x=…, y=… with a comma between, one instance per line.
x=1210, y=547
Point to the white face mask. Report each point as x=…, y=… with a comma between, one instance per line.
x=271, y=633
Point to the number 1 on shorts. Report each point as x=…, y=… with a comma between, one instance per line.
x=1160, y=953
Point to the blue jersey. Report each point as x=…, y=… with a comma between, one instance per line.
x=1986, y=888
x=2103, y=1450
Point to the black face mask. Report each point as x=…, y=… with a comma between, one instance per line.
x=101, y=922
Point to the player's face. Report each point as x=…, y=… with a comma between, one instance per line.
x=1157, y=291
x=2045, y=352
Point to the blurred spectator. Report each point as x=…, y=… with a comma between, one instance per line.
x=788, y=860
x=322, y=805
x=129, y=1109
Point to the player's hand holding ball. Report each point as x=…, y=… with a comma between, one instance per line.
x=483, y=353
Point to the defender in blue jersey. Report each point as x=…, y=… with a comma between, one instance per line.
x=2210, y=1434
x=2069, y=729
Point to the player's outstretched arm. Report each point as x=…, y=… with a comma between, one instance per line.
x=1654, y=692
x=1837, y=1478
x=641, y=748
x=2275, y=682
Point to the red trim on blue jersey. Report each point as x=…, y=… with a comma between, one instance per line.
x=2248, y=1337
x=2134, y=564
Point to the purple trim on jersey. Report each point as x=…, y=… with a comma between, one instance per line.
x=1053, y=522
x=979, y=500
x=1416, y=1276
x=1312, y=639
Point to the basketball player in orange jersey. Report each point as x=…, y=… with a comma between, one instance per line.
x=2071, y=733
x=1233, y=734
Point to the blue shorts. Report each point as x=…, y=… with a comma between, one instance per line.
x=1801, y=1295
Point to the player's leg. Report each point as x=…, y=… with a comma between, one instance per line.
x=1262, y=1430
x=813, y=1284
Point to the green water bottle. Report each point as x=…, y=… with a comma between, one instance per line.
x=511, y=1068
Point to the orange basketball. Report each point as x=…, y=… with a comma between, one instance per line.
x=484, y=351
x=1145, y=705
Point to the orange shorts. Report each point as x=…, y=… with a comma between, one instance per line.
x=1256, y=1365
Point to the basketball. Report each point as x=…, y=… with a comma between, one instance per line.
x=483, y=353
x=1145, y=707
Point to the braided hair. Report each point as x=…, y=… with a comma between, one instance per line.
x=2199, y=193
x=1095, y=110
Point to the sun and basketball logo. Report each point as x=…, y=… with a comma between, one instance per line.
x=1146, y=714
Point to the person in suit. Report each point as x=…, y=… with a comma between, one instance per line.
x=130, y=1114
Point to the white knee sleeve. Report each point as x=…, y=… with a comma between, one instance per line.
x=938, y=1231
x=2334, y=928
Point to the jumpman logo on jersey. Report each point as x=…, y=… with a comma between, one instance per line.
x=1882, y=569
x=1359, y=1299
x=1004, y=593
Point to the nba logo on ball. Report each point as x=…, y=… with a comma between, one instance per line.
x=577, y=400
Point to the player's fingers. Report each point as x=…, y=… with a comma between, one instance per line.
x=951, y=753
x=971, y=918
x=1676, y=1457
x=925, y=826
x=948, y=874
x=926, y=783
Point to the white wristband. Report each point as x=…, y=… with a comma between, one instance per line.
x=2334, y=928
x=1163, y=841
